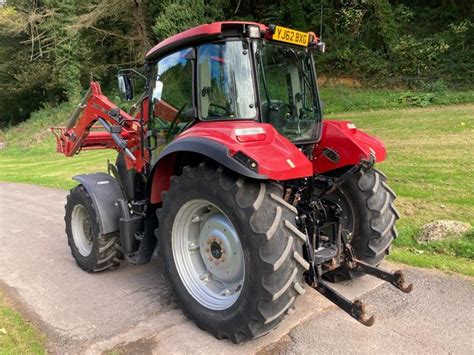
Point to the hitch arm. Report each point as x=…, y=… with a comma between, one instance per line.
x=355, y=309
x=397, y=278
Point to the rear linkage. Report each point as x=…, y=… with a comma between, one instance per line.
x=317, y=256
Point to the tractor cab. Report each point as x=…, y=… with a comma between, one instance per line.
x=236, y=71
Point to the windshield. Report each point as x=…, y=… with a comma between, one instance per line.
x=288, y=94
x=226, y=88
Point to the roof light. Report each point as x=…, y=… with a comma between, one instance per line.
x=253, y=31
x=254, y=134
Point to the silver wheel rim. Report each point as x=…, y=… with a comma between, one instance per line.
x=208, y=254
x=81, y=230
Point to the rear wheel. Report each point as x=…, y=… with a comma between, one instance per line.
x=368, y=212
x=231, y=250
x=92, y=251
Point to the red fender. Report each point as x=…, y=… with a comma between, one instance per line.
x=351, y=145
x=276, y=157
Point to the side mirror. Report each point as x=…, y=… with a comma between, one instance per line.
x=125, y=86
x=321, y=47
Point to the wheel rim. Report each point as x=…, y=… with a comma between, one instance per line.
x=81, y=230
x=208, y=254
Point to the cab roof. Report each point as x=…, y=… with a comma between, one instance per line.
x=198, y=35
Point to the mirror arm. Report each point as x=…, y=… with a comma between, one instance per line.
x=130, y=70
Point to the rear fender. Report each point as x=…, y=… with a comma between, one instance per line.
x=104, y=192
x=275, y=157
x=350, y=144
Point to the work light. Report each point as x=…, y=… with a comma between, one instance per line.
x=253, y=31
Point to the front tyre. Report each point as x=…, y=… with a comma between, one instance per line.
x=231, y=251
x=92, y=251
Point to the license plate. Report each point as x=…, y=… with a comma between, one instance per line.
x=288, y=35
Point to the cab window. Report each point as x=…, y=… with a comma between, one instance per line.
x=226, y=89
x=172, y=93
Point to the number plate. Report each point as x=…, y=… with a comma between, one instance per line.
x=288, y=35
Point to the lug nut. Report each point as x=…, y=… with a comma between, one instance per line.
x=192, y=246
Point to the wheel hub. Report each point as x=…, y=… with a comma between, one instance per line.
x=208, y=254
x=216, y=250
x=220, y=248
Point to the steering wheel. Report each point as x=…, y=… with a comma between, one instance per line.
x=227, y=112
x=276, y=113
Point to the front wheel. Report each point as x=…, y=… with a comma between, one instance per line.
x=92, y=251
x=368, y=212
x=231, y=251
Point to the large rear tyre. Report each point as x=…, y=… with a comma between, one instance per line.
x=231, y=251
x=368, y=212
x=92, y=251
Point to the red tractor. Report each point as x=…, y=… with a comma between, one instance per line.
x=226, y=170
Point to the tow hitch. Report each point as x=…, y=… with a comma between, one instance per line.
x=356, y=309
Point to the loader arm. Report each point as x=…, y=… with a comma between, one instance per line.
x=97, y=123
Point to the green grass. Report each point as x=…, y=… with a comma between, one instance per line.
x=30, y=156
x=429, y=165
x=17, y=336
x=344, y=99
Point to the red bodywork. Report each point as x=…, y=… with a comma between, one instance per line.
x=277, y=157
x=351, y=144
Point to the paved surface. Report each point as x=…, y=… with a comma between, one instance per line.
x=132, y=308
x=436, y=318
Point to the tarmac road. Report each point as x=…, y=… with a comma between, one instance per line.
x=132, y=308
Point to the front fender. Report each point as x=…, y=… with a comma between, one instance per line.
x=350, y=143
x=275, y=157
x=104, y=191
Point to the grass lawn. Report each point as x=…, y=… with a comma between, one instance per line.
x=17, y=336
x=429, y=166
x=31, y=156
x=344, y=99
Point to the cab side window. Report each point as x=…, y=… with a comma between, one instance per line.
x=172, y=92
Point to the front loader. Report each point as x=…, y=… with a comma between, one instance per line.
x=226, y=169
